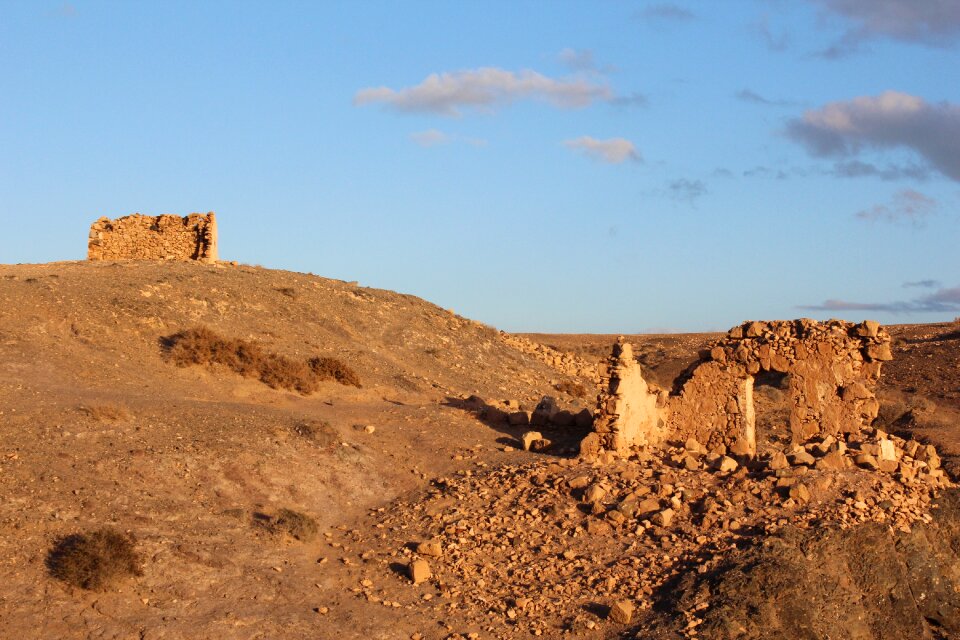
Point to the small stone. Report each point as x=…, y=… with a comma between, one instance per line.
x=888, y=466
x=778, y=461
x=595, y=493
x=833, y=461
x=726, y=464
x=621, y=612
x=887, y=450
x=692, y=446
x=801, y=457
x=529, y=437
x=419, y=571
x=540, y=445
x=800, y=493
x=866, y=461
x=430, y=548
x=648, y=505
x=663, y=518
x=579, y=482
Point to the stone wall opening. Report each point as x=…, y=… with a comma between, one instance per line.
x=823, y=373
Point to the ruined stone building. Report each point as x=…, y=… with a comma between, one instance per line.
x=829, y=368
x=165, y=237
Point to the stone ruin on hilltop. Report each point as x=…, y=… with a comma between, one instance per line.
x=165, y=237
x=831, y=369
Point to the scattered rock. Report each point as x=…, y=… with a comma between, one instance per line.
x=419, y=571
x=621, y=612
x=529, y=438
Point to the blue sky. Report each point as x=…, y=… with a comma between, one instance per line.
x=539, y=166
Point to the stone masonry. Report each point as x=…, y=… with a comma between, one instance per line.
x=165, y=237
x=831, y=369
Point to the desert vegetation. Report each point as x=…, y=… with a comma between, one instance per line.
x=203, y=346
x=105, y=411
x=288, y=523
x=96, y=561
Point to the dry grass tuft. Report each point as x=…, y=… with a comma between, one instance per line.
x=334, y=369
x=320, y=432
x=94, y=561
x=105, y=411
x=574, y=389
x=290, y=523
x=201, y=346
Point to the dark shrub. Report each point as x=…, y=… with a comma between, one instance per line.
x=334, y=369
x=95, y=560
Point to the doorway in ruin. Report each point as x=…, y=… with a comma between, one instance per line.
x=772, y=406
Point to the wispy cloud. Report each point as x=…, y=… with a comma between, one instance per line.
x=766, y=172
x=685, y=189
x=773, y=42
x=940, y=301
x=430, y=138
x=923, y=284
x=747, y=95
x=435, y=138
x=928, y=22
x=888, y=121
x=612, y=150
x=859, y=169
x=634, y=99
x=907, y=206
x=667, y=11
x=582, y=60
x=484, y=88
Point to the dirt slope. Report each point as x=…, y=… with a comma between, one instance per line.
x=96, y=429
x=196, y=452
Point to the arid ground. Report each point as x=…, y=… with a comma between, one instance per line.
x=206, y=468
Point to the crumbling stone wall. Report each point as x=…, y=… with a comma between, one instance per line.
x=628, y=408
x=165, y=237
x=831, y=367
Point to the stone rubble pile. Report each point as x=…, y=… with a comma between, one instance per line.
x=565, y=363
x=566, y=546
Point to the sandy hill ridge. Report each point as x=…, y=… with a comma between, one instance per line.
x=209, y=471
x=98, y=429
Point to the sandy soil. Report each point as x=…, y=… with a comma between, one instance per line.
x=97, y=429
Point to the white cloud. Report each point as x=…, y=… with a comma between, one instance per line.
x=613, y=150
x=484, y=88
x=888, y=121
x=907, y=206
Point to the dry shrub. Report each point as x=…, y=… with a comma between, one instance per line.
x=333, y=369
x=105, y=411
x=574, y=389
x=94, y=561
x=290, y=292
x=279, y=372
x=290, y=523
x=317, y=431
x=202, y=346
